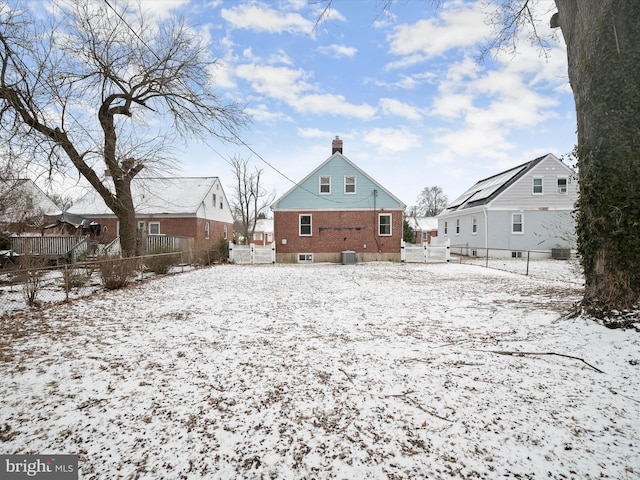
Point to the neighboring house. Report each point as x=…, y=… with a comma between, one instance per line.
x=193, y=207
x=337, y=208
x=424, y=228
x=24, y=207
x=526, y=208
x=263, y=233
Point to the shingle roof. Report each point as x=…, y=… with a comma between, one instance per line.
x=171, y=195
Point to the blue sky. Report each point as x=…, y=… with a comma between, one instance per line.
x=405, y=90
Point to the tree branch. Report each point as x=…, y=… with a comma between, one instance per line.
x=514, y=353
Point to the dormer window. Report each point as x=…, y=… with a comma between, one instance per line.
x=325, y=185
x=350, y=184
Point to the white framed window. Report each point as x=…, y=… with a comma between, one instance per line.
x=446, y=228
x=457, y=226
x=517, y=224
x=537, y=186
x=384, y=224
x=206, y=230
x=305, y=258
x=325, y=185
x=215, y=201
x=350, y=184
x=516, y=254
x=154, y=228
x=562, y=185
x=474, y=225
x=224, y=233
x=257, y=236
x=141, y=225
x=221, y=205
x=305, y=225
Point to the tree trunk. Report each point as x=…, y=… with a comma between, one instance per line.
x=603, y=50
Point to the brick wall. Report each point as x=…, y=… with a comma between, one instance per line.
x=334, y=232
x=178, y=227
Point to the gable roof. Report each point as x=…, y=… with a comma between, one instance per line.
x=167, y=195
x=484, y=191
x=331, y=202
x=264, y=225
x=423, y=223
x=17, y=191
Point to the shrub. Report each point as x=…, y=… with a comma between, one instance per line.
x=116, y=272
x=161, y=262
x=30, y=275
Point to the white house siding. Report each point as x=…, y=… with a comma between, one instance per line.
x=520, y=194
x=542, y=230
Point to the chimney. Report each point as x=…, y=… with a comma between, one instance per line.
x=336, y=145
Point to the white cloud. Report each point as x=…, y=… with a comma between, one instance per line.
x=263, y=113
x=392, y=140
x=338, y=51
x=291, y=86
x=391, y=106
x=262, y=18
x=463, y=25
x=313, y=133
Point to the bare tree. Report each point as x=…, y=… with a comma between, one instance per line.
x=250, y=199
x=603, y=53
x=431, y=202
x=104, y=90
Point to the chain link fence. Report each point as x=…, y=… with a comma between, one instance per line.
x=28, y=282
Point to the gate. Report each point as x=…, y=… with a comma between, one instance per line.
x=426, y=253
x=252, y=254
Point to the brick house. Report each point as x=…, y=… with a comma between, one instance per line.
x=191, y=207
x=337, y=208
x=424, y=228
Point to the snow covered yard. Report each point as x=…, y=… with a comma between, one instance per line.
x=326, y=371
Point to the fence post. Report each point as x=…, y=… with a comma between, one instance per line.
x=66, y=283
x=252, y=253
x=447, y=254
x=426, y=252
x=230, y=252
x=273, y=252
x=528, y=252
x=403, y=254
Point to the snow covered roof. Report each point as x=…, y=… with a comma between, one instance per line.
x=424, y=223
x=168, y=195
x=22, y=189
x=264, y=225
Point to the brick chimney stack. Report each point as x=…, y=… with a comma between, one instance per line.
x=336, y=145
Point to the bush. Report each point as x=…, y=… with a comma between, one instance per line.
x=75, y=278
x=220, y=252
x=116, y=272
x=161, y=262
x=31, y=277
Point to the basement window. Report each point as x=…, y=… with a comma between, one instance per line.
x=516, y=254
x=305, y=258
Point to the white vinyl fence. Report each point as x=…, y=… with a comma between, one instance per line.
x=251, y=254
x=425, y=253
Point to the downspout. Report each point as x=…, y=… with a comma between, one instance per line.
x=486, y=235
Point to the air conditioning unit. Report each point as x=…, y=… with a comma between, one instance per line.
x=348, y=257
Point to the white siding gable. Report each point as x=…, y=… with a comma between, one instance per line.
x=520, y=195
